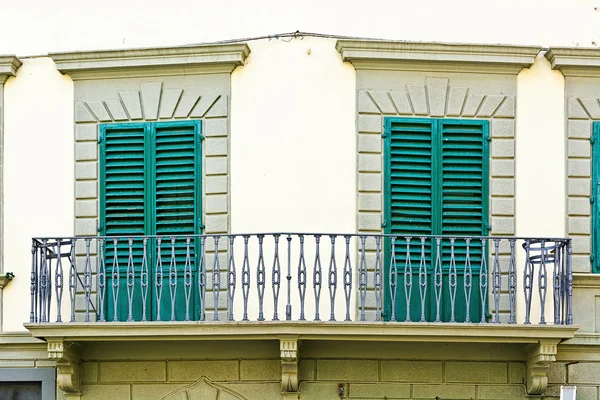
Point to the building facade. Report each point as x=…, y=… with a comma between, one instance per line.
x=301, y=217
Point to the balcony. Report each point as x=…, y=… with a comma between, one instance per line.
x=307, y=279
x=299, y=287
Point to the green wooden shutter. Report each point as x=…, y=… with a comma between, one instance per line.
x=409, y=202
x=123, y=199
x=436, y=174
x=177, y=197
x=150, y=184
x=464, y=205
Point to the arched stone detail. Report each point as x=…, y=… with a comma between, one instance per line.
x=204, y=389
x=150, y=103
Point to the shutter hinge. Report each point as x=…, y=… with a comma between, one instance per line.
x=592, y=257
x=99, y=139
x=99, y=228
x=489, y=227
x=489, y=138
x=384, y=223
x=201, y=137
x=383, y=135
x=593, y=139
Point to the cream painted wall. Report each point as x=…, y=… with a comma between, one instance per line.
x=540, y=168
x=38, y=173
x=293, y=153
x=293, y=141
x=39, y=26
x=293, y=156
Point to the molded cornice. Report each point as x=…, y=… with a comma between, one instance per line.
x=364, y=331
x=160, y=61
x=445, y=57
x=575, y=61
x=8, y=67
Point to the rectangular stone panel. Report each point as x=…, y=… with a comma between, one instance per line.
x=411, y=371
x=347, y=370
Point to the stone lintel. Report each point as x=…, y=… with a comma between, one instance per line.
x=160, y=61
x=449, y=57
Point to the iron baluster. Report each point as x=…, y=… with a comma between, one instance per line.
x=260, y=278
x=144, y=280
x=58, y=281
x=556, y=281
x=483, y=280
x=528, y=281
x=101, y=280
x=438, y=280
x=288, y=306
x=543, y=283
x=231, y=278
x=202, y=278
x=423, y=279
x=302, y=277
x=332, y=279
x=216, y=280
x=317, y=275
x=130, y=280
x=452, y=281
x=44, y=281
x=497, y=281
x=377, y=278
x=73, y=279
x=187, y=277
x=362, y=277
x=468, y=280
x=173, y=278
x=245, y=278
x=158, y=277
x=115, y=280
x=512, y=282
x=393, y=279
x=407, y=278
x=276, y=278
x=347, y=277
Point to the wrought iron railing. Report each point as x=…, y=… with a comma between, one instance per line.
x=244, y=277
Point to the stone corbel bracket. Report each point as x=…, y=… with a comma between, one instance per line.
x=539, y=358
x=289, y=364
x=67, y=357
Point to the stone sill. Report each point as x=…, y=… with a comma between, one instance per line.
x=307, y=330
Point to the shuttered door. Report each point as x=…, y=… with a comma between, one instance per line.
x=410, y=200
x=464, y=208
x=436, y=184
x=177, y=177
x=151, y=185
x=123, y=211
